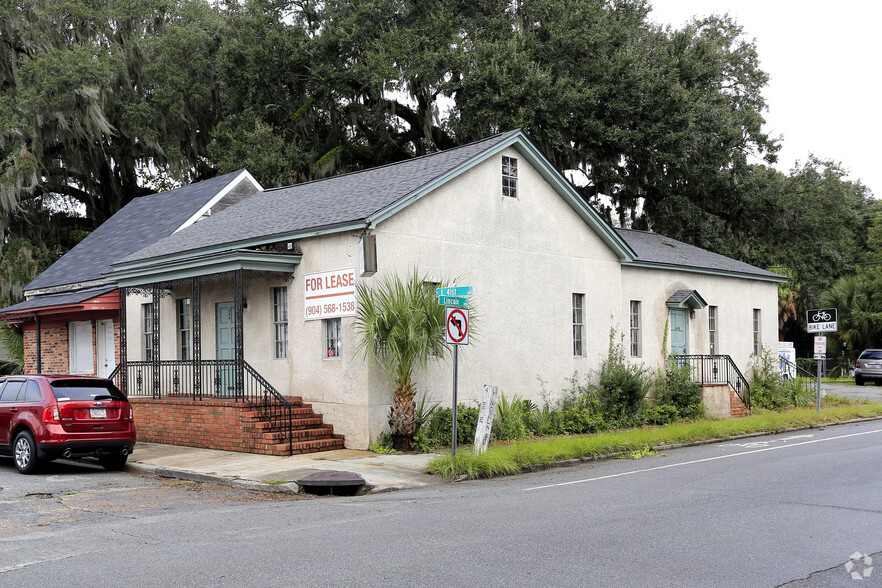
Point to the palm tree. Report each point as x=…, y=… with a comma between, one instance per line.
x=400, y=324
x=859, y=301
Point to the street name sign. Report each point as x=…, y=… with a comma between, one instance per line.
x=453, y=301
x=454, y=291
x=821, y=320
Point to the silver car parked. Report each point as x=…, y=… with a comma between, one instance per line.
x=868, y=367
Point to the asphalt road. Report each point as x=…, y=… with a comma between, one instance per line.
x=786, y=509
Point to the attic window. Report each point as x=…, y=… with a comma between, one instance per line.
x=509, y=177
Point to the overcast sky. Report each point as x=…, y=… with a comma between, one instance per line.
x=824, y=63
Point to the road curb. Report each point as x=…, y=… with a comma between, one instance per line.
x=237, y=483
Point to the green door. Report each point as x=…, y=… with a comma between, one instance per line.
x=679, y=335
x=225, y=324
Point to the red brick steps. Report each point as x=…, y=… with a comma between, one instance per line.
x=231, y=426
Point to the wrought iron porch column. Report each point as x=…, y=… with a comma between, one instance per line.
x=154, y=340
x=197, y=337
x=39, y=346
x=238, y=277
x=123, y=341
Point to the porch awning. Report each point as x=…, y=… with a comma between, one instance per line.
x=686, y=299
x=62, y=302
x=139, y=274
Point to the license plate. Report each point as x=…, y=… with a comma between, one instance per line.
x=98, y=413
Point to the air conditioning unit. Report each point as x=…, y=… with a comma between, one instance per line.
x=367, y=255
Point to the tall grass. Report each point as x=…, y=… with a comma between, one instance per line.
x=508, y=459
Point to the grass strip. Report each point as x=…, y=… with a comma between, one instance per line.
x=526, y=455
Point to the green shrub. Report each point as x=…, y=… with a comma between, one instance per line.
x=623, y=387
x=676, y=388
x=769, y=391
x=383, y=444
x=660, y=414
x=437, y=431
x=578, y=420
x=509, y=422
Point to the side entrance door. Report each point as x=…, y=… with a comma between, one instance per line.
x=679, y=334
x=106, y=348
x=225, y=323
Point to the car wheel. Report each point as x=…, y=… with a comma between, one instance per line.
x=24, y=453
x=113, y=462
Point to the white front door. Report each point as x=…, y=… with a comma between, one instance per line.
x=80, y=347
x=106, y=348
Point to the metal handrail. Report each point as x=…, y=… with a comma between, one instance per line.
x=212, y=378
x=804, y=378
x=717, y=369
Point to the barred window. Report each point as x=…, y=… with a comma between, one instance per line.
x=185, y=349
x=147, y=322
x=712, y=333
x=333, y=344
x=280, y=322
x=578, y=324
x=509, y=177
x=634, y=342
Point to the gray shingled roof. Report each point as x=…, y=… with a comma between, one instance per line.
x=141, y=222
x=654, y=248
x=61, y=299
x=332, y=201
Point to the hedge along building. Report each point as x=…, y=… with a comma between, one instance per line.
x=234, y=311
x=70, y=315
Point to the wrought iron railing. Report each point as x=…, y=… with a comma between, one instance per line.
x=213, y=378
x=717, y=369
x=802, y=377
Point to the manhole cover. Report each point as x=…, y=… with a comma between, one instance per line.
x=331, y=482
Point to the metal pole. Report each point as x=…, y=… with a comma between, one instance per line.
x=455, y=360
x=819, y=385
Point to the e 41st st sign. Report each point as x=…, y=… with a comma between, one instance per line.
x=821, y=320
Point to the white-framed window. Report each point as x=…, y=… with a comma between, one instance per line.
x=280, y=322
x=634, y=345
x=184, y=314
x=757, y=338
x=509, y=176
x=578, y=324
x=333, y=345
x=147, y=322
x=80, y=347
x=712, y=330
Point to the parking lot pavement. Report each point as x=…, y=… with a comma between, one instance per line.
x=866, y=392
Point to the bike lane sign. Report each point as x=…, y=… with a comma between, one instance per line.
x=821, y=320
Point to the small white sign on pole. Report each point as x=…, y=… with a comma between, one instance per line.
x=485, y=419
x=820, y=345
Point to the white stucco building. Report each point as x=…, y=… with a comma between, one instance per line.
x=551, y=280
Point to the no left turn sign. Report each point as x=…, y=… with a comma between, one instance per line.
x=457, y=326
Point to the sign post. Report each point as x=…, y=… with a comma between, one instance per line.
x=821, y=320
x=456, y=333
x=485, y=419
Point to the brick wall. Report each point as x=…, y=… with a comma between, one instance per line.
x=55, y=347
x=210, y=424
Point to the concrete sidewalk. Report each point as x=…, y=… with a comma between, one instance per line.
x=280, y=474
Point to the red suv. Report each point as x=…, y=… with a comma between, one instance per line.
x=46, y=417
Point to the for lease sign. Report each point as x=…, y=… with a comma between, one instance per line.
x=329, y=294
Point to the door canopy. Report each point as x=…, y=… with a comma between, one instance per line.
x=686, y=299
